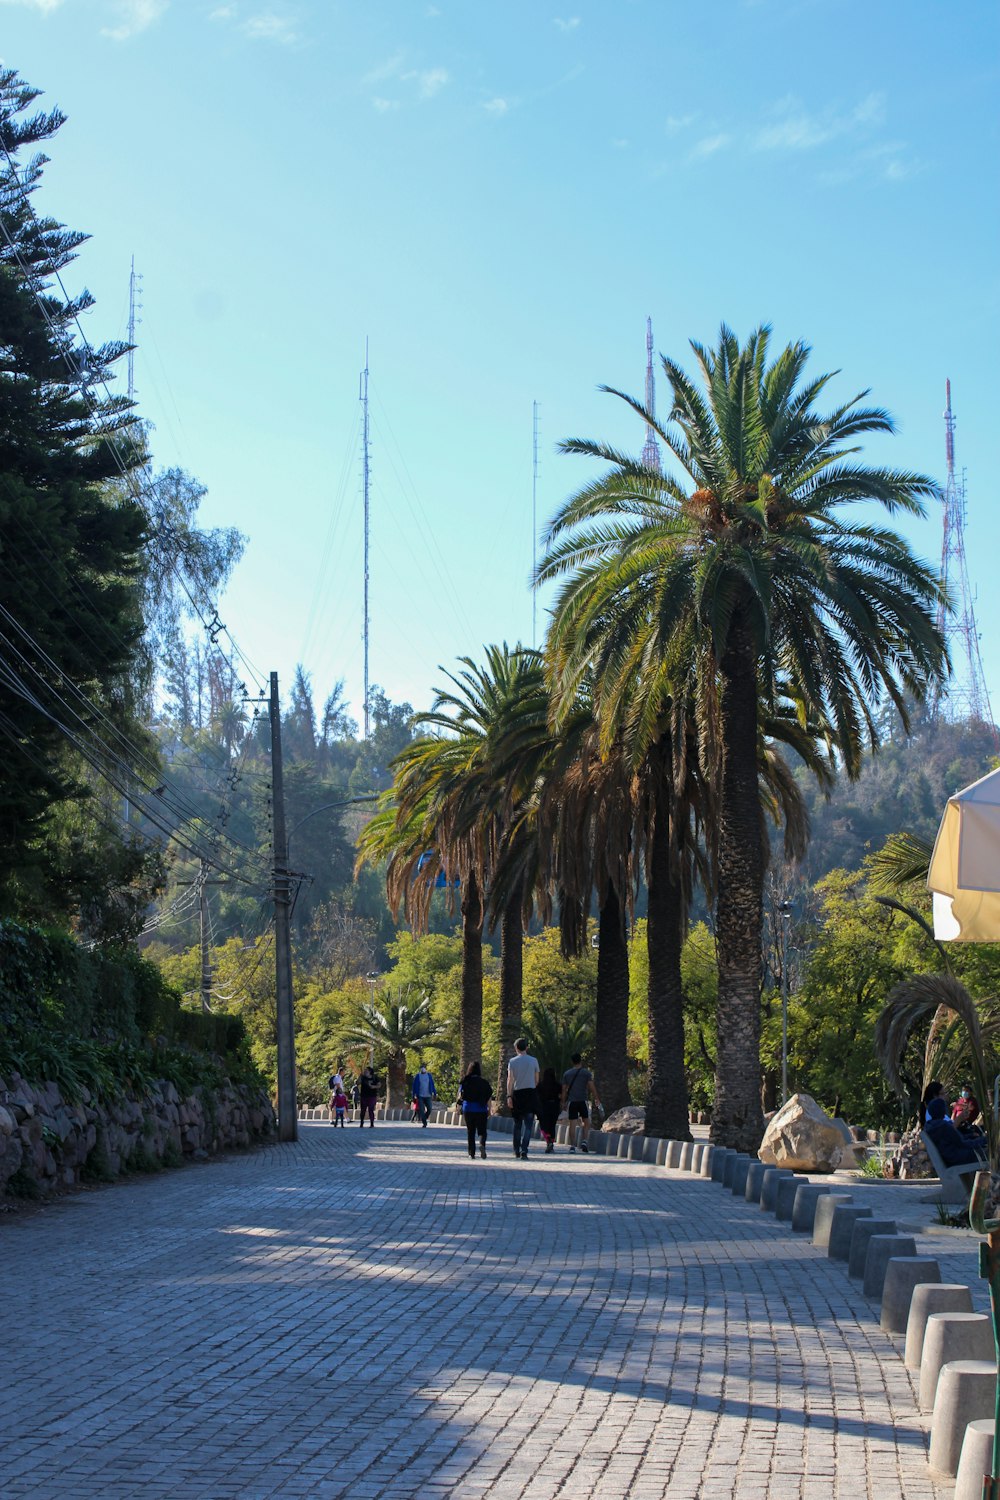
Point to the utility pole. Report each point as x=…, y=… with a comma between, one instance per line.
x=206, y=967
x=366, y=488
x=288, y=1114
x=534, y=522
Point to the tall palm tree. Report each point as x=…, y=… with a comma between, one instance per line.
x=390, y=1030
x=748, y=573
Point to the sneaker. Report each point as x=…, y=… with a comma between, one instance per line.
x=572, y=1148
x=584, y=1146
x=524, y=1156
x=550, y=1147
x=482, y=1152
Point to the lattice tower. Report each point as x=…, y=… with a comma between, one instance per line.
x=967, y=694
x=651, y=448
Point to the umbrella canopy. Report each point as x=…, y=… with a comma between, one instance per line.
x=964, y=873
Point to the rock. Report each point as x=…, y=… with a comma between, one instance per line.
x=628, y=1121
x=802, y=1137
x=911, y=1160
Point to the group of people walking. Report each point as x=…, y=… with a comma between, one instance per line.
x=531, y=1094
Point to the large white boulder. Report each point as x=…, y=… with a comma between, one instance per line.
x=631, y=1120
x=801, y=1136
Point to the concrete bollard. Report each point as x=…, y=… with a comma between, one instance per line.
x=769, y=1187
x=719, y=1160
x=598, y=1143
x=823, y=1220
x=650, y=1147
x=951, y=1337
x=636, y=1146
x=975, y=1460
x=784, y=1201
x=966, y=1393
x=842, y=1229
x=740, y=1174
x=902, y=1275
x=612, y=1137
x=624, y=1146
x=947, y=1297
x=673, y=1155
x=687, y=1152
x=730, y=1167
x=698, y=1156
x=881, y=1249
x=863, y=1231
x=804, y=1206
x=707, y=1157
x=755, y=1177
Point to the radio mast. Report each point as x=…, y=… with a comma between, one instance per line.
x=134, y=308
x=967, y=694
x=534, y=522
x=366, y=488
x=651, y=448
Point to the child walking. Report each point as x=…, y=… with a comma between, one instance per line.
x=339, y=1102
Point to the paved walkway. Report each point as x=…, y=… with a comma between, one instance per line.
x=373, y=1315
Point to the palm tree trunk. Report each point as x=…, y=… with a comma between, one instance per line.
x=397, y=1080
x=511, y=973
x=471, y=1019
x=737, y=1120
x=667, y=1097
x=611, y=1032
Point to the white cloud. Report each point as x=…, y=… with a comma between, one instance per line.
x=568, y=25
x=391, y=68
x=429, y=82
x=136, y=16
x=384, y=105
x=676, y=123
x=223, y=13
x=45, y=6
x=795, y=129
x=268, y=27
x=496, y=106
x=710, y=144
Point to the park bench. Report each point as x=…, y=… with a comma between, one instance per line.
x=956, y=1182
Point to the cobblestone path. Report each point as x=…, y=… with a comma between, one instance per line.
x=374, y=1315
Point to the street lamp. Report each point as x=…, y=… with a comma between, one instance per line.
x=784, y=912
x=371, y=979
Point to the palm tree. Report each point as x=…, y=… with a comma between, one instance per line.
x=389, y=1031
x=749, y=581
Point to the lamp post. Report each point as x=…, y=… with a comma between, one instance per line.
x=371, y=979
x=784, y=912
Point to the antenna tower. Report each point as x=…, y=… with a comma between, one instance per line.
x=534, y=521
x=134, y=308
x=366, y=487
x=967, y=695
x=651, y=448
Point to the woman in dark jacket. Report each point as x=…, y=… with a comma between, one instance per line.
x=549, y=1097
x=475, y=1094
x=369, y=1096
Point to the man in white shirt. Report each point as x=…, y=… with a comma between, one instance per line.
x=523, y=1074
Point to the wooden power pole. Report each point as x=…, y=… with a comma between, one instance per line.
x=288, y=1113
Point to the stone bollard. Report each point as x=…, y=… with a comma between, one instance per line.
x=687, y=1152
x=966, y=1392
x=975, y=1461
x=719, y=1160
x=740, y=1173
x=842, y=1229
x=730, y=1167
x=755, y=1177
x=784, y=1200
x=673, y=1155
x=769, y=1187
x=951, y=1337
x=947, y=1297
x=698, y=1156
x=636, y=1145
x=881, y=1249
x=707, y=1158
x=805, y=1204
x=612, y=1137
x=823, y=1221
x=863, y=1231
x=624, y=1147
x=903, y=1274
x=662, y=1148
x=598, y=1143
x=650, y=1147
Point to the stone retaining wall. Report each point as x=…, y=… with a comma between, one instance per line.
x=47, y=1143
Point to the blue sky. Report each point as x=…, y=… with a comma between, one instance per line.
x=497, y=195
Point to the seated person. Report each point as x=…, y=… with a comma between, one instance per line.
x=965, y=1111
x=952, y=1149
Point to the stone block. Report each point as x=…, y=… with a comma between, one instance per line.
x=966, y=1392
x=769, y=1183
x=823, y=1221
x=707, y=1157
x=975, y=1460
x=755, y=1177
x=903, y=1274
x=697, y=1155
x=802, y=1136
x=624, y=1147
x=662, y=1147
x=687, y=1151
x=863, y=1231
x=881, y=1249
x=650, y=1146
x=719, y=1159
x=950, y=1337
x=613, y=1139
x=730, y=1167
x=673, y=1155
x=636, y=1144
x=842, y=1229
x=784, y=1202
x=804, y=1206
x=740, y=1172
x=598, y=1143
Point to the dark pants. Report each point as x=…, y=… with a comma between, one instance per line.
x=475, y=1124
x=424, y=1102
x=368, y=1103
x=523, y=1106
